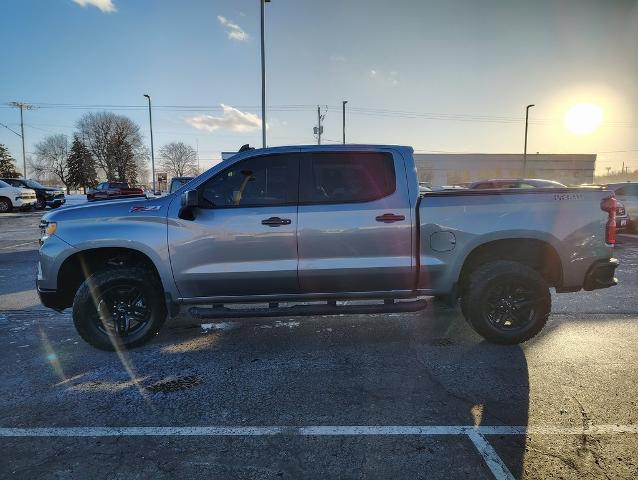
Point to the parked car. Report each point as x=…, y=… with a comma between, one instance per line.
x=622, y=217
x=514, y=183
x=322, y=224
x=15, y=197
x=45, y=196
x=178, y=182
x=627, y=193
x=113, y=190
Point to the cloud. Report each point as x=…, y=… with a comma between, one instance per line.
x=231, y=119
x=337, y=58
x=380, y=76
x=234, y=31
x=104, y=5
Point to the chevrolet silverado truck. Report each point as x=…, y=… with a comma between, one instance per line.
x=332, y=229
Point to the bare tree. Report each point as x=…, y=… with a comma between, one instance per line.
x=178, y=159
x=50, y=158
x=115, y=142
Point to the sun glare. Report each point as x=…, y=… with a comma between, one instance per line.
x=583, y=118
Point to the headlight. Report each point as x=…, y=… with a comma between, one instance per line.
x=47, y=229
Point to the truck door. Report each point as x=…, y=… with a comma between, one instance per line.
x=243, y=239
x=355, y=225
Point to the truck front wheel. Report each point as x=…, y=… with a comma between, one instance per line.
x=506, y=302
x=119, y=308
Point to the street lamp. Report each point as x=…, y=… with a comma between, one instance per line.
x=343, y=107
x=150, y=121
x=262, y=4
x=525, y=147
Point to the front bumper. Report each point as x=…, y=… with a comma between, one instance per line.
x=24, y=202
x=601, y=275
x=52, y=299
x=56, y=202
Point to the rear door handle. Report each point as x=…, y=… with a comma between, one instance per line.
x=276, y=221
x=390, y=217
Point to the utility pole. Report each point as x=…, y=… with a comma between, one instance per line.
x=343, y=108
x=525, y=147
x=22, y=106
x=262, y=4
x=318, y=130
x=197, y=155
x=150, y=121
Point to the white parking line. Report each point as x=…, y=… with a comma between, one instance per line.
x=475, y=434
x=315, y=430
x=490, y=457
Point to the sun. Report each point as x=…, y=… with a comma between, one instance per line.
x=583, y=118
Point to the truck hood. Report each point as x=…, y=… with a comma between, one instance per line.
x=156, y=207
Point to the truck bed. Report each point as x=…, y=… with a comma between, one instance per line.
x=455, y=223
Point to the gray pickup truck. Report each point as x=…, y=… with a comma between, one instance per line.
x=323, y=230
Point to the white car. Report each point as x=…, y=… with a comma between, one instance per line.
x=14, y=197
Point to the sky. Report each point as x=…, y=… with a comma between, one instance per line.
x=451, y=76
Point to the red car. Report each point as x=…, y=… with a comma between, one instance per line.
x=110, y=190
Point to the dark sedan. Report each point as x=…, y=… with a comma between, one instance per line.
x=496, y=183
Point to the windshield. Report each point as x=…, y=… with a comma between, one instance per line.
x=33, y=184
x=4, y=184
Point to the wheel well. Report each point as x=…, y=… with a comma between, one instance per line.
x=536, y=254
x=79, y=266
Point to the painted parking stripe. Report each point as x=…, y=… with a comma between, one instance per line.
x=318, y=430
x=490, y=457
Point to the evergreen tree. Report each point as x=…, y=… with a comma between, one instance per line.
x=7, y=164
x=81, y=166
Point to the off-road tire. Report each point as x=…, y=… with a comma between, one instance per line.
x=504, y=275
x=85, y=311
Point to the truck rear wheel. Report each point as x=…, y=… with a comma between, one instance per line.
x=506, y=302
x=119, y=308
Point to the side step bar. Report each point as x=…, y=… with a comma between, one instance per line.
x=331, y=308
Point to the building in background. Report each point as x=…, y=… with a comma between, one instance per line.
x=450, y=169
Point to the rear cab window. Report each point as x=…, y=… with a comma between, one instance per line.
x=346, y=177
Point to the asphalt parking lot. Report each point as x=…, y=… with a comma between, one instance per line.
x=375, y=396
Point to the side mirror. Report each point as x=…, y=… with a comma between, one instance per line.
x=188, y=202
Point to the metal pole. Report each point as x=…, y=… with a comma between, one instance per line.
x=318, y=125
x=525, y=147
x=343, y=104
x=150, y=121
x=24, y=156
x=262, y=4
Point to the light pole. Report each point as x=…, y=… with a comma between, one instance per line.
x=262, y=4
x=343, y=108
x=525, y=147
x=22, y=106
x=150, y=121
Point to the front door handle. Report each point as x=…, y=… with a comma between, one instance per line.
x=276, y=221
x=390, y=217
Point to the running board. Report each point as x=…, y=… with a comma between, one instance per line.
x=331, y=308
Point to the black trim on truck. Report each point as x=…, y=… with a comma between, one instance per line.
x=601, y=274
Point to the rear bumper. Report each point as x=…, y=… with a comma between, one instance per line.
x=601, y=275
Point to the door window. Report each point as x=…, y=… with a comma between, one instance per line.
x=335, y=177
x=256, y=182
